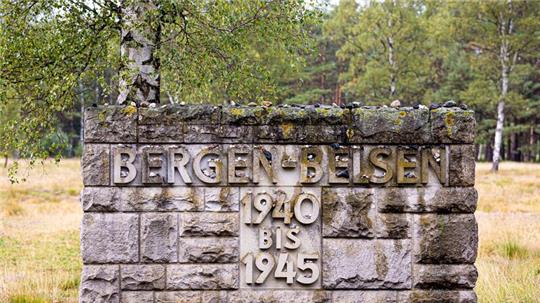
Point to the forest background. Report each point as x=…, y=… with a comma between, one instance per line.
x=62, y=56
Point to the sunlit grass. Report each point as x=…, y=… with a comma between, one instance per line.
x=39, y=234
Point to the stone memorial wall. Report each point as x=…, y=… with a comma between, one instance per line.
x=280, y=204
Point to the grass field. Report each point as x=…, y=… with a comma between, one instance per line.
x=39, y=234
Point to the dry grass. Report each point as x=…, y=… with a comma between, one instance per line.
x=39, y=234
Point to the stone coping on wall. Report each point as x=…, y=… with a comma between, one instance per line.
x=278, y=124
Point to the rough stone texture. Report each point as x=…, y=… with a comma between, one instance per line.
x=109, y=238
x=137, y=297
x=446, y=239
x=348, y=212
x=445, y=276
x=100, y=199
x=403, y=125
x=428, y=199
x=159, y=234
x=164, y=242
x=209, y=224
x=99, y=284
x=142, y=277
x=366, y=264
x=393, y=226
x=95, y=164
x=221, y=199
x=202, y=276
x=439, y=296
x=208, y=250
x=277, y=296
x=189, y=296
x=162, y=199
x=110, y=124
x=461, y=165
x=348, y=296
x=452, y=125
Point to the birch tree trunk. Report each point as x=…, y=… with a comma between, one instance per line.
x=500, y=115
x=140, y=37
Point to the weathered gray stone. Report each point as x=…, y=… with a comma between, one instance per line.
x=242, y=115
x=202, y=276
x=209, y=224
x=277, y=296
x=453, y=125
x=159, y=234
x=236, y=133
x=446, y=239
x=321, y=134
x=110, y=124
x=348, y=212
x=104, y=199
x=208, y=250
x=285, y=133
x=162, y=199
x=439, y=296
x=109, y=238
x=174, y=113
x=137, y=297
x=427, y=199
x=201, y=133
x=393, y=226
x=142, y=277
x=444, y=276
x=377, y=125
x=461, y=165
x=366, y=264
x=95, y=164
x=99, y=284
x=221, y=199
x=160, y=133
x=358, y=296
x=190, y=296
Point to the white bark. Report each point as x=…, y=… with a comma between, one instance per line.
x=140, y=74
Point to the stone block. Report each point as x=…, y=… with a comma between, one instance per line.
x=445, y=276
x=112, y=124
x=209, y=224
x=445, y=239
x=95, y=164
x=285, y=133
x=390, y=125
x=359, y=296
x=242, y=115
x=192, y=296
x=175, y=114
x=322, y=134
x=201, y=133
x=274, y=296
x=348, y=212
x=142, y=277
x=427, y=199
x=366, y=264
x=202, y=276
x=439, y=296
x=393, y=226
x=110, y=238
x=102, y=199
x=221, y=199
x=453, y=125
x=161, y=133
x=162, y=199
x=137, y=297
x=99, y=284
x=235, y=133
x=461, y=165
x=159, y=236
x=208, y=250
